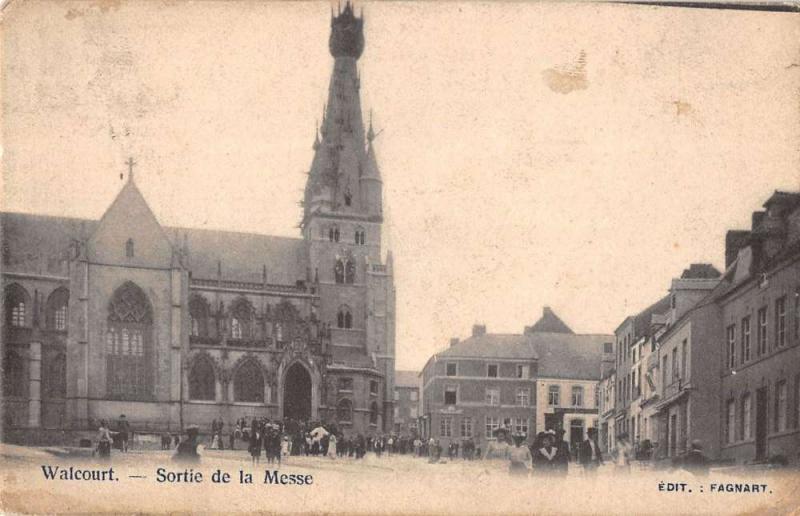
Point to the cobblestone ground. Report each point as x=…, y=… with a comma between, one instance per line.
x=386, y=485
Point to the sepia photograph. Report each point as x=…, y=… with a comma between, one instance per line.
x=399, y=257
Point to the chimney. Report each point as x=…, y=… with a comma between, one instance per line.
x=453, y=341
x=734, y=241
x=478, y=330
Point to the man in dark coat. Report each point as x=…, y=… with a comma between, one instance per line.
x=589, y=454
x=561, y=466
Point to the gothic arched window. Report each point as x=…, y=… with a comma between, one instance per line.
x=202, y=380
x=242, y=320
x=13, y=375
x=18, y=304
x=57, y=309
x=344, y=411
x=55, y=376
x=344, y=319
x=128, y=343
x=248, y=383
x=198, y=317
x=373, y=413
x=129, y=248
x=333, y=233
x=348, y=197
x=360, y=236
x=345, y=271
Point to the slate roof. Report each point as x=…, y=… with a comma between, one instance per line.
x=549, y=322
x=40, y=244
x=406, y=378
x=559, y=355
x=643, y=320
x=243, y=255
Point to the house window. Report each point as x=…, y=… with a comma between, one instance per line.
x=746, y=415
x=344, y=319
x=451, y=369
x=780, y=406
x=746, y=339
x=554, y=395
x=344, y=411
x=492, y=396
x=129, y=248
x=665, y=368
x=684, y=373
x=521, y=425
x=577, y=396
x=780, y=322
x=446, y=427
x=412, y=395
x=450, y=394
x=345, y=384
x=522, y=371
x=731, y=338
x=466, y=427
x=491, y=371
x=492, y=424
x=731, y=422
x=762, y=331
x=523, y=397
x=373, y=387
x=676, y=373
x=608, y=347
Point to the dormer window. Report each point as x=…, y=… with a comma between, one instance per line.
x=129, y=248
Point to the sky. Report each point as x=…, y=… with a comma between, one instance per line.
x=576, y=156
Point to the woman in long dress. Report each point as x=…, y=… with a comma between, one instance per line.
x=544, y=454
x=519, y=457
x=332, y=446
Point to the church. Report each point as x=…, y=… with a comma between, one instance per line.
x=174, y=326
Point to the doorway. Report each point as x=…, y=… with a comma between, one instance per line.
x=297, y=393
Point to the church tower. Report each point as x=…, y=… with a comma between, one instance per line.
x=342, y=223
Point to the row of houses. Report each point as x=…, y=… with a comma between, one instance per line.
x=546, y=377
x=717, y=359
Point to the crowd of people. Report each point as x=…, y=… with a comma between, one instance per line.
x=547, y=454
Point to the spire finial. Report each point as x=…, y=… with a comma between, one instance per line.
x=130, y=164
x=370, y=131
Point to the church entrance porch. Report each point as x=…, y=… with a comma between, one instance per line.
x=297, y=387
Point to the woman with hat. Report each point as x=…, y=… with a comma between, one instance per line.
x=544, y=454
x=519, y=456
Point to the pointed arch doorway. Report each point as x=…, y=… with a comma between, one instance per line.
x=297, y=388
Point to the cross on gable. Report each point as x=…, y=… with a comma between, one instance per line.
x=130, y=164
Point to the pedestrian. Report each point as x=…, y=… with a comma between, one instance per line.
x=187, y=448
x=519, y=457
x=563, y=454
x=332, y=446
x=255, y=441
x=695, y=462
x=589, y=453
x=544, y=454
x=123, y=429
x=622, y=458
x=104, y=440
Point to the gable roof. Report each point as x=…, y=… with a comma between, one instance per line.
x=559, y=355
x=549, y=322
x=40, y=244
